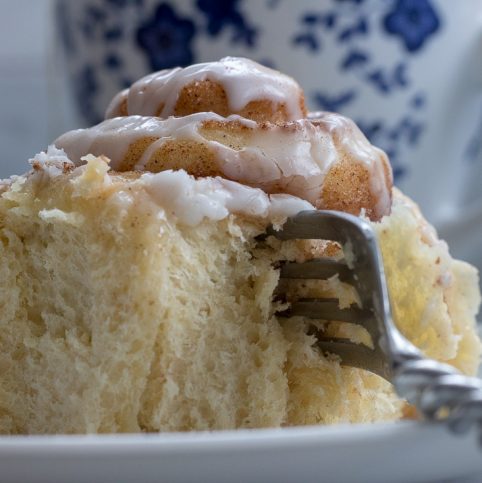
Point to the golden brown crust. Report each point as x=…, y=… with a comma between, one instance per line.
x=202, y=96
x=210, y=96
x=195, y=158
x=123, y=111
x=344, y=188
x=352, y=183
x=348, y=185
x=135, y=152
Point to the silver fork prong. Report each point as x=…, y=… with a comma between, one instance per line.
x=465, y=414
x=351, y=232
x=447, y=391
x=329, y=309
x=413, y=375
x=325, y=309
x=359, y=244
x=427, y=384
x=319, y=268
x=306, y=225
x=352, y=354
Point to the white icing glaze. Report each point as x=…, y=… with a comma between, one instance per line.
x=53, y=161
x=6, y=183
x=283, y=205
x=113, y=109
x=293, y=160
x=112, y=137
x=177, y=193
x=191, y=200
x=243, y=80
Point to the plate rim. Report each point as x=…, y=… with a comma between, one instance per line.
x=334, y=435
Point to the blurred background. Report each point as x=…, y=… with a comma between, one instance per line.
x=29, y=96
x=409, y=72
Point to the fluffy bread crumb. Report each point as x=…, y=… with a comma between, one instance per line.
x=114, y=317
x=435, y=298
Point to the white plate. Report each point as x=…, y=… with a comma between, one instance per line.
x=395, y=452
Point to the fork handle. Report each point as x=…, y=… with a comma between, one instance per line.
x=440, y=393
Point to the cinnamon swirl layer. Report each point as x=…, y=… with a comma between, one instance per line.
x=326, y=161
x=229, y=86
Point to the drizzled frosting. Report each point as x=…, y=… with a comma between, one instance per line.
x=351, y=142
x=191, y=200
x=176, y=193
x=323, y=159
x=54, y=161
x=242, y=79
x=113, y=137
x=291, y=158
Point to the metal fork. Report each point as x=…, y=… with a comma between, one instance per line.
x=438, y=391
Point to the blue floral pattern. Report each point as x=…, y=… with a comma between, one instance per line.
x=124, y=3
x=414, y=21
x=333, y=103
x=394, y=138
x=164, y=36
x=85, y=87
x=166, y=33
x=64, y=32
x=167, y=38
x=226, y=14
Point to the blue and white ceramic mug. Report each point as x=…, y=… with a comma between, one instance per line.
x=409, y=72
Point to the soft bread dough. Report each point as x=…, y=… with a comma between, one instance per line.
x=136, y=295
x=117, y=316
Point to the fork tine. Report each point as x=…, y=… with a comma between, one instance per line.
x=325, y=309
x=317, y=269
x=359, y=244
x=325, y=225
x=355, y=355
x=446, y=391
x=463, y=416
x=428, y=384
x=328, y=309
x=347, y=230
